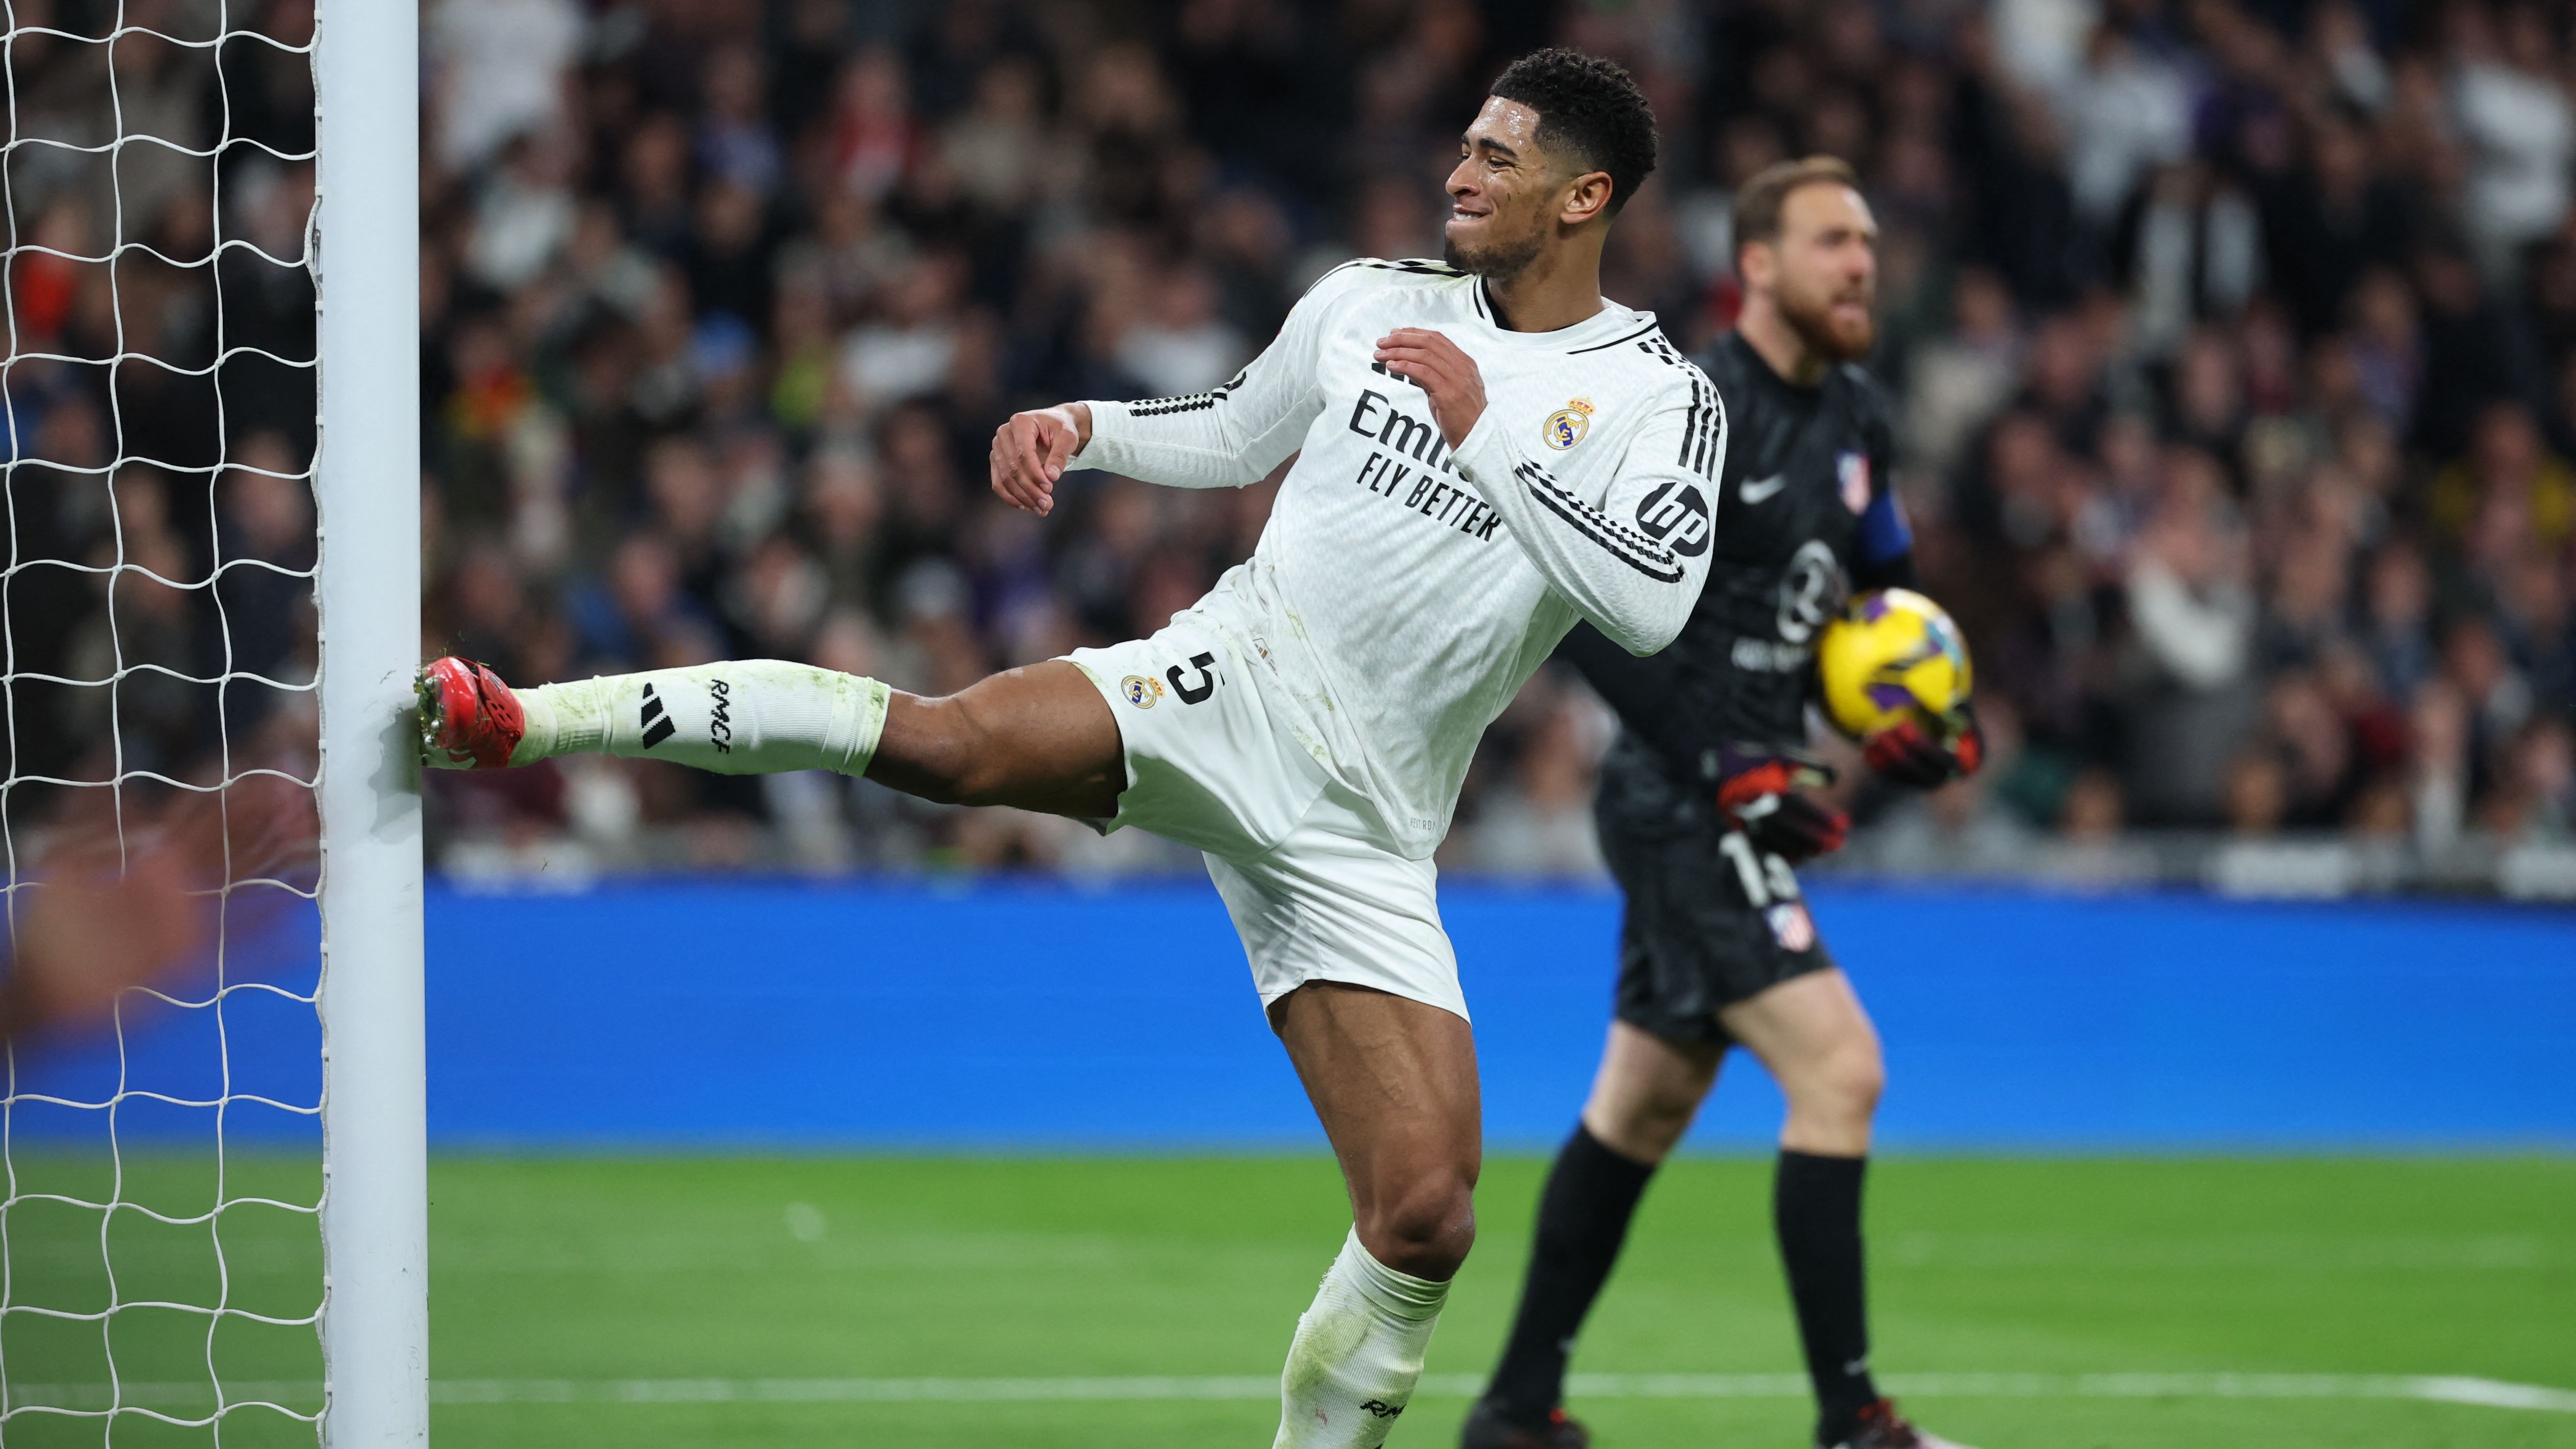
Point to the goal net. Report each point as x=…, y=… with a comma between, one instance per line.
x=211, y=1175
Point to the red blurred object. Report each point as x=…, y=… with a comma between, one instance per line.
x=122, y=898
x=1723, y=302
x=47, y=285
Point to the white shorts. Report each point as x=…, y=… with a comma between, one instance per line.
x=1214, y=761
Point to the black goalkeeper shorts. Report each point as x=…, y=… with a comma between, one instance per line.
x=1708, y=922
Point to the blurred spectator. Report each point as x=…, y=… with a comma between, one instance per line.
x=2512, y=112
x=2127, y=111
x=1961, y=376
x=497, y=72
x=1182, y=346
x=1539, y=823
x=2193, y=610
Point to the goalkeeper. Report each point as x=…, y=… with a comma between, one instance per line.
x=1701, y=819
x=1487, y=451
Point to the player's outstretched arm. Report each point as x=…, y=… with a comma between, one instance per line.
x=1226, y=437
x=1632, y=565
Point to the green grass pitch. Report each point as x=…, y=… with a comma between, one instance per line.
x=643, y=1288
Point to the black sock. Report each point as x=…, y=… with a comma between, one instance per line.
x=1815, y=1206
x=1583, y=1216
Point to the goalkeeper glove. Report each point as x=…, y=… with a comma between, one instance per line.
x=1928, y=758
x=1758, y=794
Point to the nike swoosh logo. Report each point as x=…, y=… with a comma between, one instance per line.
x=1754, y=491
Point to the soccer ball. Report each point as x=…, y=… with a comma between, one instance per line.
x=1891, y=653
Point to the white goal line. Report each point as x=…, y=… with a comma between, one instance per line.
x=2444, y=1389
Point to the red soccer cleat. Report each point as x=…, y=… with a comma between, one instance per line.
x=1881, y=1427
x=469, y=719
x=1487, y=1428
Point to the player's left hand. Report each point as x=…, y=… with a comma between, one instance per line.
x=1446, y=374
x=1928, y=756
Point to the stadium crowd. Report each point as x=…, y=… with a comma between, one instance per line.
x=2236, y=346
x=2234, y=343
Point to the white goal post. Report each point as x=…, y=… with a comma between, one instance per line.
x=375, y=1214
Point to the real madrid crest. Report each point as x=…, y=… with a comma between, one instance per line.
x=1141, y=691
x=1567, y=425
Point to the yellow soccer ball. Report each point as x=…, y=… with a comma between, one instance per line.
x=1892, y=653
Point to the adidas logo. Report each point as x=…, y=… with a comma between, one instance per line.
x=657, y=724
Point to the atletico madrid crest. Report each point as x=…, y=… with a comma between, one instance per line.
x=1791, y=926
x=1853, y=470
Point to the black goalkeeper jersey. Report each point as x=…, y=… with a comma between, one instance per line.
x=1805, y=513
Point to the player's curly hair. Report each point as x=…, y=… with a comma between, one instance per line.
x=1589, y=107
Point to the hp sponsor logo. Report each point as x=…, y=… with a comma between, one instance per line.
x=1676, y=515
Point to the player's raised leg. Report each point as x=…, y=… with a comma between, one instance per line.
x=1394, y=1081
x=1040, y=737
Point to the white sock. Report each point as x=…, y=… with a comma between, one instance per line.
x=1358, y=1351
x=739, y=717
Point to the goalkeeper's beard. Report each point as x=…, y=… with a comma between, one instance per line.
x=1813, y=321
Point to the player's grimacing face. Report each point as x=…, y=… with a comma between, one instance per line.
x=1503, y=194
x=1823, y=272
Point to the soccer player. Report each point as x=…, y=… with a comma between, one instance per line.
x=1487, y=451
x=1701, y=818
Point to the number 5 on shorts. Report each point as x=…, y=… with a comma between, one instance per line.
x=1205, y=665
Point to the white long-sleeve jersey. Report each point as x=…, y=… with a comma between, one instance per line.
x=1404, y=593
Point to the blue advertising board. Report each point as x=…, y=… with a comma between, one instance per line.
x=1010, y=1015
